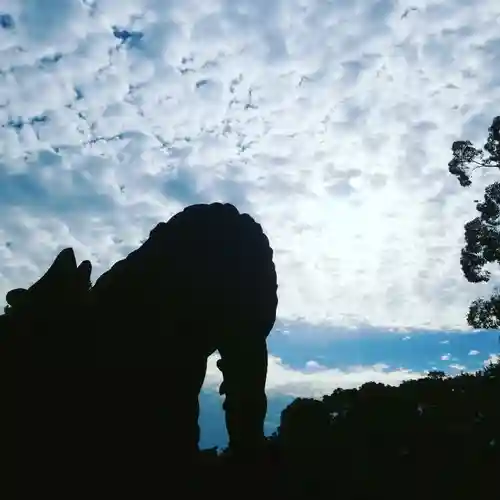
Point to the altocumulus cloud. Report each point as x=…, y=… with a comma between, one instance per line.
x=331, y=122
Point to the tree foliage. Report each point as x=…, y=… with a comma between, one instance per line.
x=482, y=234
x=426, y=438
x=377, y=440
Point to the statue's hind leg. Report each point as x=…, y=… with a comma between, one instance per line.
x=183, y=408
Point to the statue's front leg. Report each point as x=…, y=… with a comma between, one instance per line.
x=243, y=363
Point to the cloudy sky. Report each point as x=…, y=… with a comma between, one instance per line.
x=329, y=121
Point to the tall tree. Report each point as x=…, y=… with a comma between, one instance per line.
x=482, y=234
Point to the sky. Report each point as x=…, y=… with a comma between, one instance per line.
x=330, y=122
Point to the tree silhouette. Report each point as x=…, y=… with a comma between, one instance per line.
x=437, y=432
x=482, y=234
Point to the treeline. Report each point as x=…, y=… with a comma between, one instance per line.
x=434, y=437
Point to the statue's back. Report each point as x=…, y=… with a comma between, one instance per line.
x=202, y=274
x=205, y=280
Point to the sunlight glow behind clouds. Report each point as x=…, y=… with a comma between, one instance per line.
x=330, y=122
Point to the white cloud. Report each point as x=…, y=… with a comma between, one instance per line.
x=287, y=381
x=458, y=367
x=492, y=358
x=331, y=122
x=445, y=357
x=473, y=352
x=313, y=366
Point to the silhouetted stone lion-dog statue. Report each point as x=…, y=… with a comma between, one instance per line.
x=130, y=352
